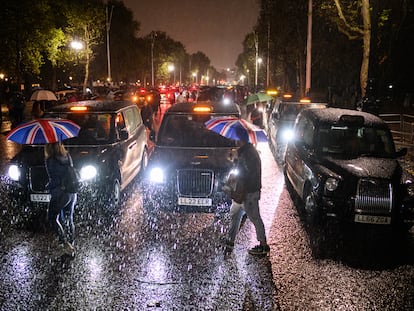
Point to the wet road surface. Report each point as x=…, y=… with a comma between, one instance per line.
x=128, y=261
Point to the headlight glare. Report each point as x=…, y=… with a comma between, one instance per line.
x=14, y=172
x=88, y=172
x=331, y=184
x=157, y=175
x=287, y=135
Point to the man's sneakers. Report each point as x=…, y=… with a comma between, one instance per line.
x=69, y=248
x=228, y=246
x=259, y=250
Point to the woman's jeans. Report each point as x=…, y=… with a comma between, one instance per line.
x=60, y=214
x=250, y=207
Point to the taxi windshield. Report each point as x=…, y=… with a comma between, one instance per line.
x=353, y=141
x=96, y=128
x=190, y=131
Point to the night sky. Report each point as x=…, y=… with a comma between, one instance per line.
x=215, y=27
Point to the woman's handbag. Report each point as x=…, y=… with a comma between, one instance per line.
x=71, y=180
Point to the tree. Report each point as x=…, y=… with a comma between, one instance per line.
x=86, y=22
x=26, y=38
x=123, y=44
x=349, y=15
x=201, y=64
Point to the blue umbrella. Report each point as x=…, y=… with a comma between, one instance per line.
x=236, y=129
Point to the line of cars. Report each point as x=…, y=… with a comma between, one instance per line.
x=343, y=167
x=183, y=165
x=341, y=163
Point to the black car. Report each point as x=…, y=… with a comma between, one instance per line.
x=190, y=163
x=110, y=150
x=281, y=120
x=343, y=165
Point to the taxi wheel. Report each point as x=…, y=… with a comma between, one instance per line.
x=310, y=208
x=315, y=226
x=114, y=194
x=144, y=161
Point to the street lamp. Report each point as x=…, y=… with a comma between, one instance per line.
x=108, y=51
x=242, y=77
x=171, y=68
x=196, y=77
x=258, y=62
x=153, y=36
x=77, y=46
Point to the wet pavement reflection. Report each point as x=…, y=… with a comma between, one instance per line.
x=130, y=260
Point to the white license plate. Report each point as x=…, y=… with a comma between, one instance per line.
x=195, y=201
x=368, y=219
x=40, y=197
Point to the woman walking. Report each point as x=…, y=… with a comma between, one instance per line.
x=62, y=203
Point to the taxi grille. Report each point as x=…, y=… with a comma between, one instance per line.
x=38, y=178
x=374, y=196
x=195, y=182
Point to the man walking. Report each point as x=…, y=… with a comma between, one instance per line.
x=250, y=174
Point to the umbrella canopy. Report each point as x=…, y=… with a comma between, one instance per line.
x=43, y=95
x=236, y=129
x=43, y=131
x=257, y=98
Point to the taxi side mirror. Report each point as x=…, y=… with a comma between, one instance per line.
x=152, y=135
x=123, y=134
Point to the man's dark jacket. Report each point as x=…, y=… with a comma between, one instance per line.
x=250, y=167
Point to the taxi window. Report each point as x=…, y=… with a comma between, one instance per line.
x=132, y=119
x=346, y=141
x=304, y=135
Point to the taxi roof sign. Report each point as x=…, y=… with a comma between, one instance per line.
x=202, y=108
x=79, y=108
x=272, y=92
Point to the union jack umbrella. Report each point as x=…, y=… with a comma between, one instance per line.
x=236, y=129
x=43, y=131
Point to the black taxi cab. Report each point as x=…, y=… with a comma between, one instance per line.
x=109, y=152
x=190, y=163
x=344, y=166
x=282, y=118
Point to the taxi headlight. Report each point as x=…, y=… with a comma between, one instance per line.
x=14, y=172
x=287, y=135
x=157, y=175
x=331, y=184
x=410, y=188
x=88, y=172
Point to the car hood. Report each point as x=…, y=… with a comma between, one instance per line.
x=203, y=158
x=34, y=155
x=364, y=166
